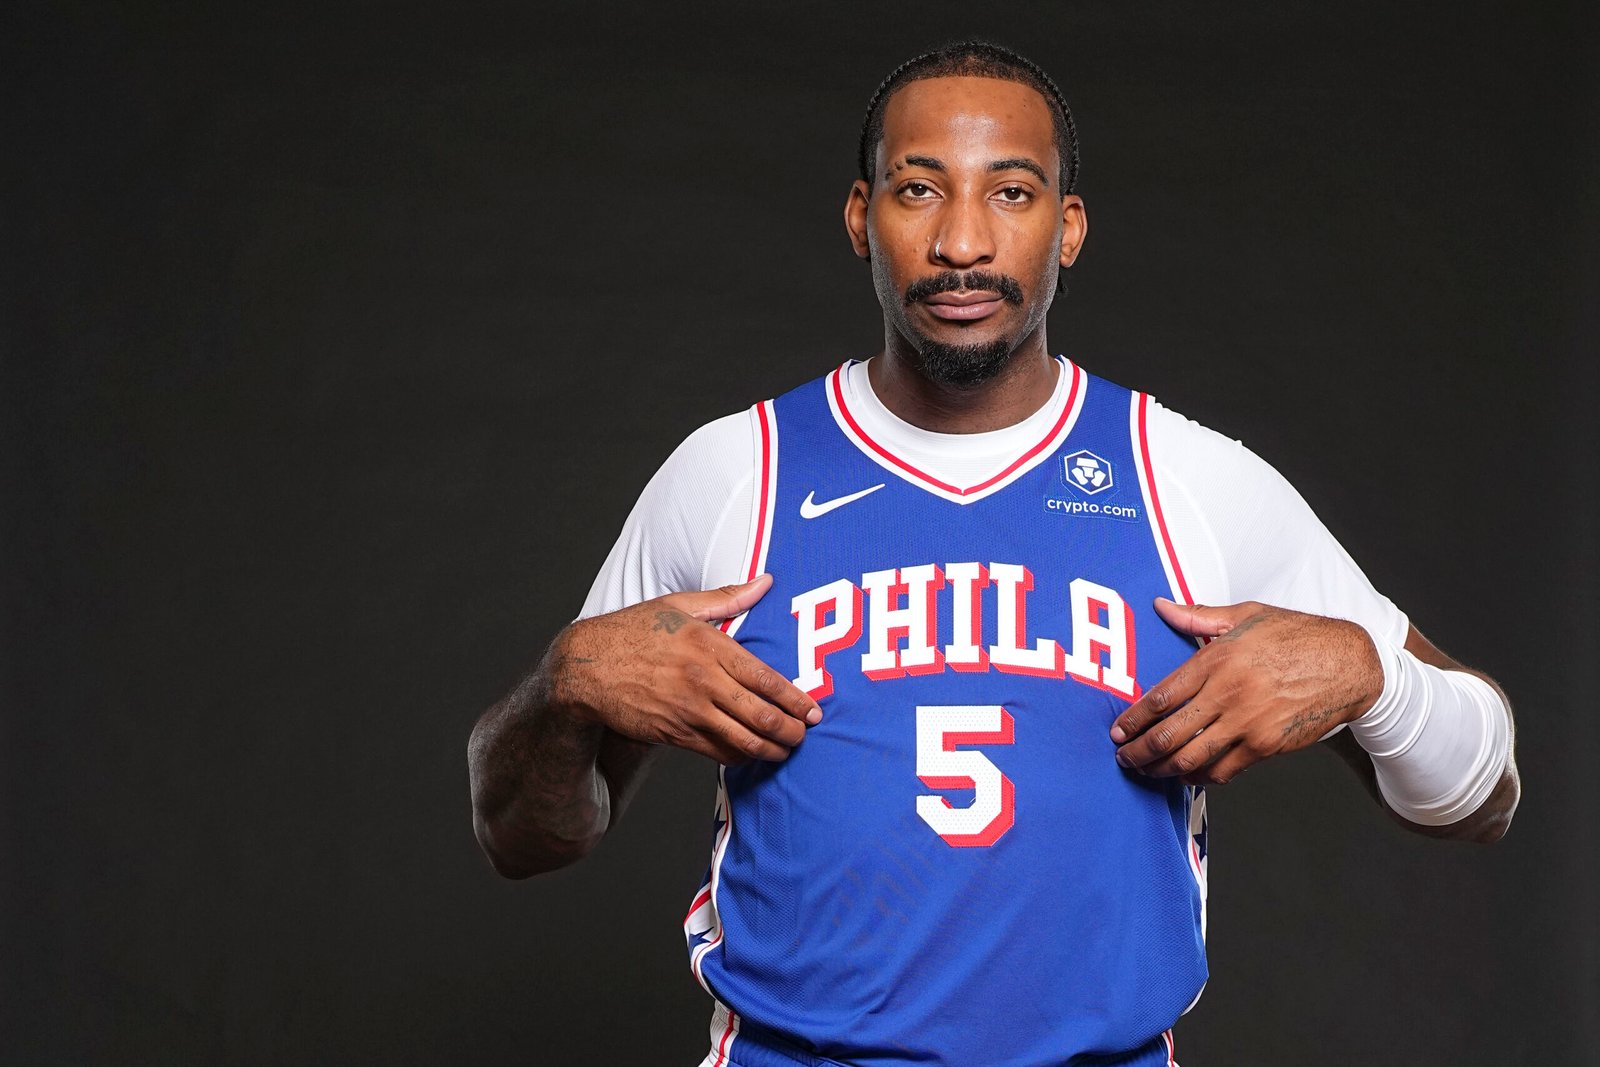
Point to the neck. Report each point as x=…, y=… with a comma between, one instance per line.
x=1022, y=387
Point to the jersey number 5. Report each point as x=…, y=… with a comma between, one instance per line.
x=941, y=765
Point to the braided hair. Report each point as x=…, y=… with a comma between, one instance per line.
x=979, y=59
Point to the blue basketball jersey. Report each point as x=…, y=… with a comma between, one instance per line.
x=952, y=868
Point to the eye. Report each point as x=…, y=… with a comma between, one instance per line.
x=1015, y=194
x=917, y=190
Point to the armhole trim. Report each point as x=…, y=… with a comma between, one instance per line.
x=1195, y=847
x=764, y=425
x=1137, y=417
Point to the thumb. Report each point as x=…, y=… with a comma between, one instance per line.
x=722, y=603
x=1199, y=620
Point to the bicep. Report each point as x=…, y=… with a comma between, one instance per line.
x=690, y=516
x=1242, y=532
x=688, y=512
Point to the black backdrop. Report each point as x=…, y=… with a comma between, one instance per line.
x=337, y=344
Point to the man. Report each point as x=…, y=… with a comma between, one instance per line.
x=952, y=671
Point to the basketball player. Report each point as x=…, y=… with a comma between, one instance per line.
x=951, y=661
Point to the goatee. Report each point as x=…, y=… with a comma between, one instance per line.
x=962, y=366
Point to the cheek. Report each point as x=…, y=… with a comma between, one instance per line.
x=885, y=279
x=901, y=242
x=899, y=257
x=1040, y=260
x=1041, y=242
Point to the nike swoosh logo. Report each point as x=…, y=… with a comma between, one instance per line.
x=810, y=509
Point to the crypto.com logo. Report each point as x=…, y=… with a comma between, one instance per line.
x=1085, y=471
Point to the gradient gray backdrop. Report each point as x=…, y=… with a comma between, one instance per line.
x=337, y=343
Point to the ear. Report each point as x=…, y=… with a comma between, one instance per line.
x=855, y=217
x=1074, y=228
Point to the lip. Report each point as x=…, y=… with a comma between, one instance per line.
x=964, y=307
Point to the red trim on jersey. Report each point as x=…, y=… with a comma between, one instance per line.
x=1007, y=816
x=1172, y=1049
x=997, y=827
x=766, y=489
x=1005, y=735
x=758, y=543
x=974, y=634
x=718, y=848
x=1019, y=635
x=819, y=663
x=890, y=600
x=884, y=453
x=930, y=635
x=727, y=1035
x=697, y=964
x=1155, y=500
x=705, y=895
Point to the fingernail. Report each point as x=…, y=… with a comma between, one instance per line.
x=814, y=716
x=1118, y=734
x=1121, y=759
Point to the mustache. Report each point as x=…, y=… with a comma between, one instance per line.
x=949, y=281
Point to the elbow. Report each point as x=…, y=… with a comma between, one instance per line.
x=505, y=864
x=1492, y=820
x=524, y=827
x=523, y=859
x=1502, y=804
x=1486, y=829
x=1496, y=814
x=1491, y=831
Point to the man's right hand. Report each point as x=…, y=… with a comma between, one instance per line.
x=659, y=672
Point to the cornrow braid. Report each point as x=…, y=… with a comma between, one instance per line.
x=980, y=59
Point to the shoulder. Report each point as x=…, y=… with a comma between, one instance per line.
x=1215, y=471
x=1177, y=440
x=695, y=481
x=1248, y=532
x=718, y=452
x=687, y=529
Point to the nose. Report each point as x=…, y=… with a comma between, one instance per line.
x=964, y=238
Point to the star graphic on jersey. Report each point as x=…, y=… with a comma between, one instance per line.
x=701, y=926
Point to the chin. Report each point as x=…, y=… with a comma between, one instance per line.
x=963, y=364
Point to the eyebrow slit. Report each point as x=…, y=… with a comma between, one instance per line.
x=1021, y=164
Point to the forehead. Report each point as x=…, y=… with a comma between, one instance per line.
x=968, y=115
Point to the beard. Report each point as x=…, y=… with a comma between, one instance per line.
x=961, y=365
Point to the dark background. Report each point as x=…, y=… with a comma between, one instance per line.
x=337, y=343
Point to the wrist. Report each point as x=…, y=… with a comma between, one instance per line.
x=1381, y=677
x=561, y=681
x=1438, y=738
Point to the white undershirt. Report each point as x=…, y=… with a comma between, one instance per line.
x=1239, y=530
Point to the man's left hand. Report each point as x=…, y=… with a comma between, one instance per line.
x=1269, y=681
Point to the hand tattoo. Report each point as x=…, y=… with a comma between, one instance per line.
x=1308, y=725
x=670, y=621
